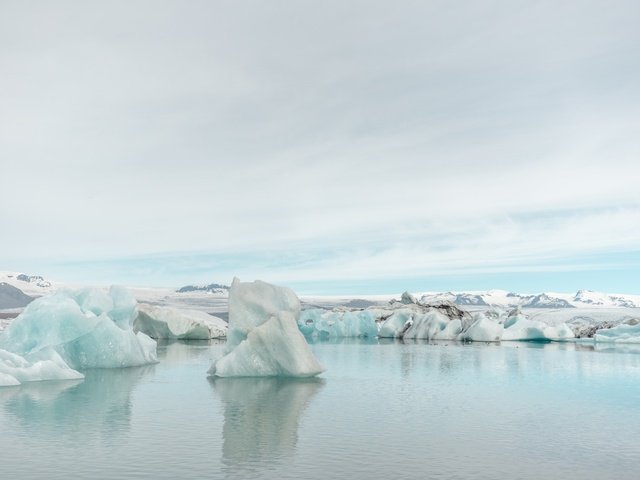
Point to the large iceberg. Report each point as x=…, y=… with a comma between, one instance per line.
x=263, y=337
x=89, y=328
x=167, y=322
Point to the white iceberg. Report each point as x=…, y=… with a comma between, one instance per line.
x=483, y=329
x=433, y=325
x=518, y=327
x=263, y=337
x=167, y=322
x=395, y=324
x=89, y=328
x=15, y=370
x=623, y=333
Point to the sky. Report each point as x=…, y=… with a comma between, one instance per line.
x=331, y=146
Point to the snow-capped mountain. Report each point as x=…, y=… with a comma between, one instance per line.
x=545, y=301
x=32, y=285
x=598, y=299
x=457, y=298
x=214, y=288
x=504, y=299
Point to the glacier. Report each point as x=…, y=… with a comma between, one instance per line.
x=173, y=323
x=263, y=338
x=58, y=334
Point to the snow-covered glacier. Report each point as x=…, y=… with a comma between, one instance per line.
x=263, y=338
x=69, y=330
x=167, y=322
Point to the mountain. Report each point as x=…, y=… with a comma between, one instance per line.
x=545, y=301
x=36, y=279
x=591, y=298
x=504, y=299
x=214, y=288
x=32, y=285
x=457, y=298
x=12, y=297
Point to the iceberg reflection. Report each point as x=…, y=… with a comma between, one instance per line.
x=97, y=408
x=261, y=417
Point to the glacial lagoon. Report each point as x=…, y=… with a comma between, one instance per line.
x=383, y=409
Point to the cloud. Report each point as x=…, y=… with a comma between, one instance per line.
x=346, y=139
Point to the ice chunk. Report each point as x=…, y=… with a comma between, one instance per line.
x=263, y=337
x=15, y=370
x=319, y=323
x=518, y=327
x=408, y=299
x=623, y=333
x=87, y=329
x=166, y=322
x=433, y=325
x=483, y=329
x=396, y=323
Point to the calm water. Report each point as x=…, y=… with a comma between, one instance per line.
x=382, y=410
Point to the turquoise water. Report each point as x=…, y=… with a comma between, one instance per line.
x=382, y=410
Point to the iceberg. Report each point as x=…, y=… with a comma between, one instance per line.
x=433, y=325
x=89, y=328
x=15, y=370
x=518, y=327
x=445, y=321
x=263, y=338
x=441, y=321
x=167, y=322
x=320, y=323
x=395, y=324
x=623, y=333
x=483, y=329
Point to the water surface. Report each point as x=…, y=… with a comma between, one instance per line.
x=382, y=410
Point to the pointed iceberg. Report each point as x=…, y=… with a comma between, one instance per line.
x=263, y=338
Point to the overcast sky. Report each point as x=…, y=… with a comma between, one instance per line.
x=355, y=146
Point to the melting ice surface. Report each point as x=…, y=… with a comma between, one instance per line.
x=58, y=334
x=383, y=409
x=263, y=338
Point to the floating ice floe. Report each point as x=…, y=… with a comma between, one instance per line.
x=623, y=333
x=68, y=330
x=167, y=322
x=319, y=323
x=15, y=370
x=263, y=337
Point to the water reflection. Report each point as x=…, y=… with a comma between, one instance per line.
x=261, y=417
x=97, y=408
x=187, y=351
